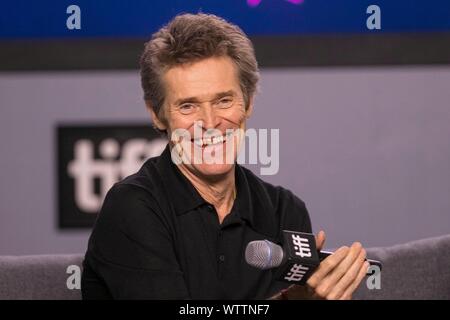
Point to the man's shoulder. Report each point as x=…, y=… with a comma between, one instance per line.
x=135, y=201
x=140, y=190
x=278, y=205
x=275, y=193
x=146, y=179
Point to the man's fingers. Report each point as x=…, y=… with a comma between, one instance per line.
x=320, y=240
x=348, y=278
x=338, y=272
x=362, y=273
x=335, y=273
x=326, y=266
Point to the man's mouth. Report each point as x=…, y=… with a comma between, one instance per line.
x=212, y=141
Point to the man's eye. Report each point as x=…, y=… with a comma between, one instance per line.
x=187, y=107
x=225, y=102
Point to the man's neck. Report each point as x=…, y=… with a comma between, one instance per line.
x=219, y=192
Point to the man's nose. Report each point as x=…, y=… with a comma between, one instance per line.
x=208, y=117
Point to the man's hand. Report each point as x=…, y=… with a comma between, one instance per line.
x=337, y=276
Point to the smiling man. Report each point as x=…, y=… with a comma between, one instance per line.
x=178, y=228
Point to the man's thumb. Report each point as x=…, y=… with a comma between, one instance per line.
x=320, y=240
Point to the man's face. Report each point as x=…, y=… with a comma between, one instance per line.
x=204, y=99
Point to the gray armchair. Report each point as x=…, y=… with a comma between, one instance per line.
x=38, y=277
x=415, y=270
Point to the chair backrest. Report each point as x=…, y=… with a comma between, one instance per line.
x=414, y=270
x=40, y=277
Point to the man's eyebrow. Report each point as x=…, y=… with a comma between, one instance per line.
x=185, y=100
x=196, y=100
x=224, y=94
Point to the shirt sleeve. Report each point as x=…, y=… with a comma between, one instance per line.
x=131, y=248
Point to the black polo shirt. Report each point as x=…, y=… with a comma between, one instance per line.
x=157, y=238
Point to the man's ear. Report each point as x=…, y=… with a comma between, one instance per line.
x=158, y=123
x=249, y=110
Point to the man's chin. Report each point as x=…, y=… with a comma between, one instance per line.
x=213, y=171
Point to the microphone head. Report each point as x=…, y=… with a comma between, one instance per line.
x=263, y=254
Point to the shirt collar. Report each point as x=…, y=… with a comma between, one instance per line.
x=181, y=191
x=253, y=204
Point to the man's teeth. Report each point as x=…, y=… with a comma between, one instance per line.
x=211, y=140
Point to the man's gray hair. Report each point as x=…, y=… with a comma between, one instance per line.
x=190, y=38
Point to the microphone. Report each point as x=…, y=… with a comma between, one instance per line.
x=296, y=261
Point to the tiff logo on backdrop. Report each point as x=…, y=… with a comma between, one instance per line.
x=84, y=168
x=91, y=159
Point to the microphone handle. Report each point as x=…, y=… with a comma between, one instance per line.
x=324, y=254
